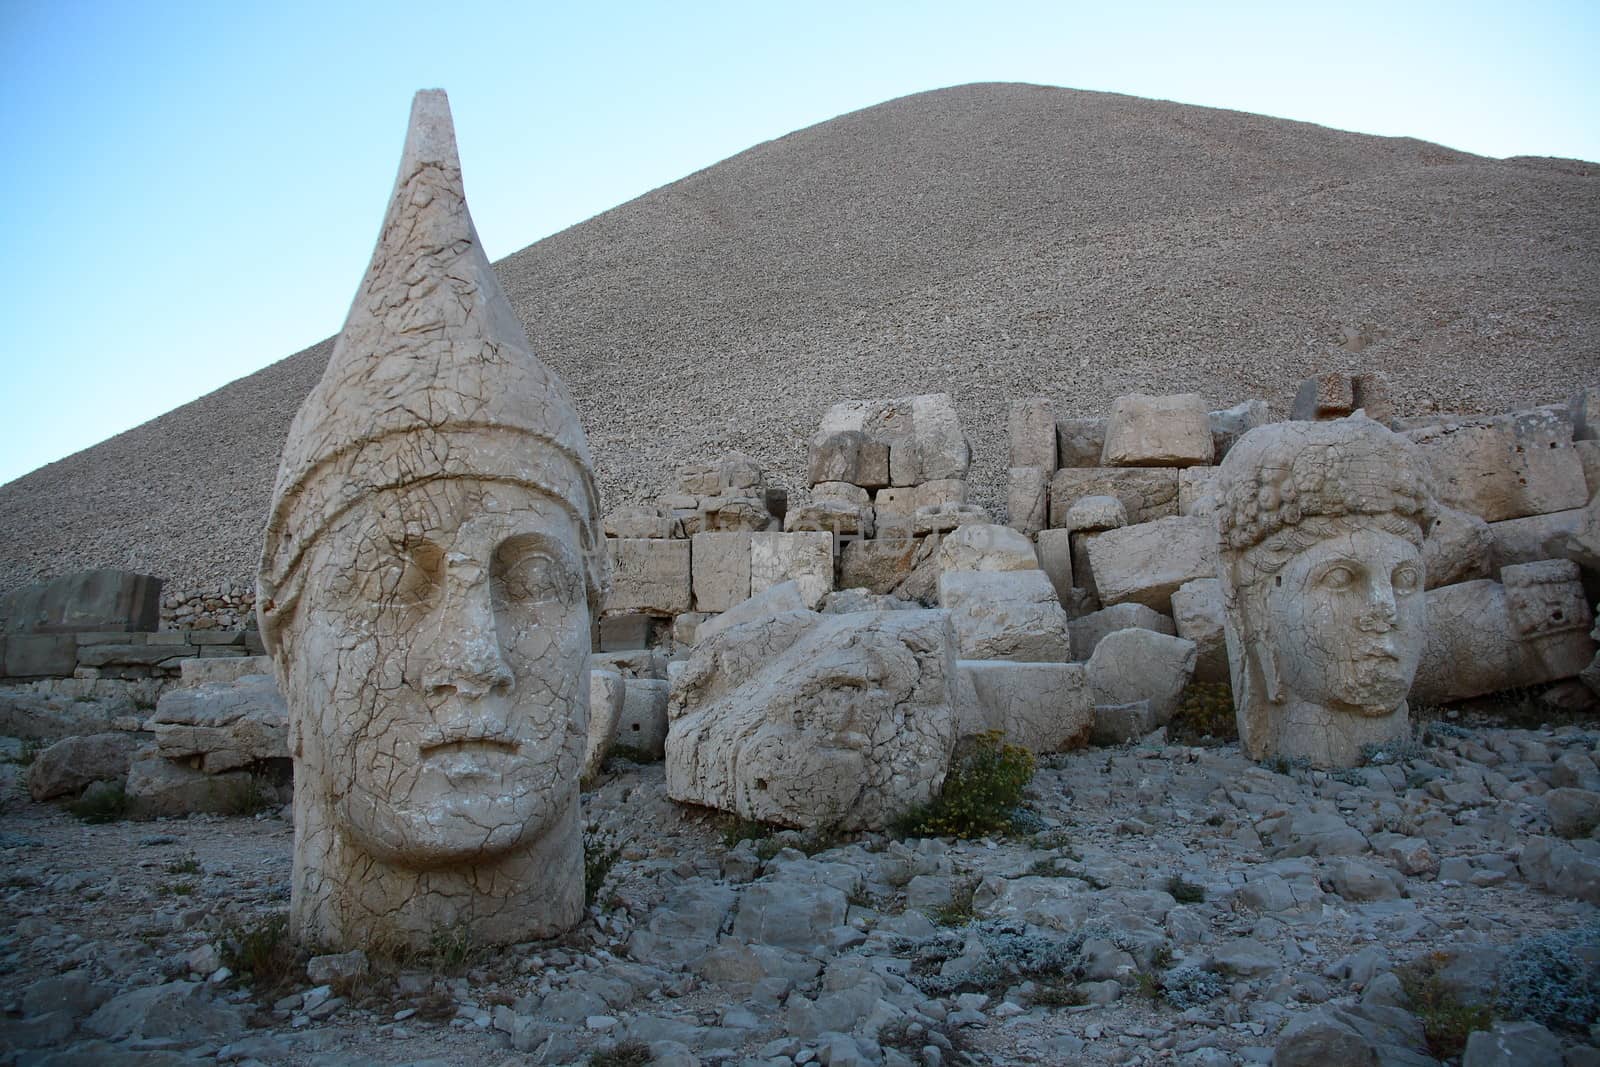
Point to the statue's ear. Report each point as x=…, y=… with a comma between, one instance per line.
x=1267, y=661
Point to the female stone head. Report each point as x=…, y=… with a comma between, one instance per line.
x=1321, y=566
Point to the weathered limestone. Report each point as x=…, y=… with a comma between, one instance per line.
x=1322, y=582
x=1506, y=466
x=880, y=565
x=943, y=492
x=1197, y=492
x=720, y=563
x=1088, y=630
x=1009, y=615
x=642, y=520
x=835, y=516
x=66, y=767
x=774, y=600
x=225, y=725
x=199, y=671
x=1147, y=493
x=803, y=558
x=1032, y=428
x=1534, y=538
x=607, y=692
x=1197, y=616
x=1458, y=548
x=1091, y=514
x=1483, y=636
x=919, y=437
x=652, y=576
x=1148, y=562
x=1079, y=442
x=158, y=786
x=1134, y=665
x=811, y=720
x=642, y=726
x=986, y=547
x=1054, y=548
x=942, y=518
x=1044, y=707
x=98, y=600
x=1157, y=431
x=433, y=560
x=1028, y=498
x=1230, y=424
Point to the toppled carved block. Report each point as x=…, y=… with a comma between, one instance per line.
x=941, y=492
x=1009, y=615
x=642, y=520
x=1146, y=563
x=433, y=561
x=1534, y=538
x=920, y=436
x=986, y=547
x=810, y=720
x=1197, y=617
x=882, y=565
x=1028, y=499
x=1505, y=466
x=1458, y=548
x=650, y=575
x=642, y=726
x=721, y=568
x=1032, y=426
x=1044, y=707
x=1088, y=630
x=1230, y=424
x=803, y=558
x=1147, y=493
x=1079, y=442
x=1134, y=665
x=607, y=690
x=226, y=724
x=1157, y=431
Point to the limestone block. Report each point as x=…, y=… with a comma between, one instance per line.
x=1537, y=537
x=721, y=570
x=1009, y=615
x=1584, y=411
x=832, y=516
x=1230, y=424
x=1028, y=499
x=1044, y=707
x=1079, y=442
x=1157, y=431
x=733, y=509
x=1135, y=665
x=642, y=726
x=157, y=786
x=198, y=671
x=845, y=601
x=1092, y=514
x=40, y=656
x=1484, y=636
x=1458, y=548
x=1055, y=557
x=942, y=492
x=835, y=457
x=1325, y=396
x=812, y=720
x=1197, y=616
x=1119, y=724
x=150, y=654
x=1032, y=426
x=1197, y=491
x=642, y=520
x=649, y=575
x=935, y=447
x=942, y=518
x=1088, y=630
x=986, y=547
x=622, y=633
x=1146, y=563
x=803, y=558
x=226, y=725
x=93, y=600
x=1505, y=467
x=1082, y=572
x=843, y=492
x=699, y=479
x=67, y=766
x=1147, y=493
x=1582, y=545
x=1589, y=456
x=893, y=510
x=607, y=691
x=881, y=565
x=781, y=599
x=631, y=663
x=686, y=627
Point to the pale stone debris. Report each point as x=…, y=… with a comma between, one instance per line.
x=1146, y=563
x=1044, y=707
x=1092, y=514
x=1158, y=431
x=431, y=569
x=1009, y=615
x=1322, y=581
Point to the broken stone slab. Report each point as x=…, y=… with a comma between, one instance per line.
x=720, y=565
x=1054, y=548
x=1534, y=538
x=1197, y=492
x=986, y=547
x=625, y=633
x=844, y=492
x=642, y=726
x=1157, y=431
x=935, y=447
x=68, y=708
x=226, y=725
x=211, y=669
x=1028, y=499
x=1044, y=707
x=836, y=517
x=1559, y=867
x=944, y=491
x=1146, y=563
x=780, y=599
x=1118, y=724
x=642, y=520
x=1135, y=664
x=1146, y=493
x=141, y=655
x=91, y=600
x=1458, y=548
x=846, y=601
x=810, y=720
x=1032, y=426
x=803, y=558
x=835, y=457
x=1088, y=630
x=734, y=509
x=1506, y=466
x=649, y=575
x=39, y=655
x=1485, y=636
x=1197, y=615
x=1230, y=424
x=158, y=786
x=882, y=565
x=1079, y=442
x=1007, y=615
x=67, y=766
x=607, y=692
x=1092, y=514
x=943, y=518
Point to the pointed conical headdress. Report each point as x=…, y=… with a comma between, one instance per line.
x=432, y=377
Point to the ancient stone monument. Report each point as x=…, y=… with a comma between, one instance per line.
x=432, y=563
x=1322, y=526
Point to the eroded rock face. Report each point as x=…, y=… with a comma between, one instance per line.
x=810, y=720
x=1322, y=580
x=433, y=560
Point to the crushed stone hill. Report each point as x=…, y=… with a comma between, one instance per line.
x=992, y=241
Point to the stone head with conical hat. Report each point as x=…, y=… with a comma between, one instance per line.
x=433, y=559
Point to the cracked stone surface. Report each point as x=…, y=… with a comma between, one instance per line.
x=432, y=564
x=1322, y=577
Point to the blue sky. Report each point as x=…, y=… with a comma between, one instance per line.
x=191, y=191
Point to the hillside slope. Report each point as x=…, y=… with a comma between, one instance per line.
x=990, y=240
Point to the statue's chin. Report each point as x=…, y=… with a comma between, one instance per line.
x=443, y=835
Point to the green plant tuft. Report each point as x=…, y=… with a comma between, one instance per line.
x=600, y=854
x=959, y=911
x=627, y=1054
x=1205, y=715
x=262, y=954
x=980, y=793
x=1447, y=1020
x=100, y=803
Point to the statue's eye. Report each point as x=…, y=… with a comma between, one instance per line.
x=410, y=575
x=527, y=574
x=1338, y=578
x=1406, y=579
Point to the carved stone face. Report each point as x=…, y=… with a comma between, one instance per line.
x=437, y=654
x=1344, y=621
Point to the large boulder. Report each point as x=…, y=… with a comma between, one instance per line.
x=1506, y=466
x=1148, y=562
x=1147, y=493
x=67, y=766
x=1010, y=615
x=226, y=725
x=1044, y=707
x=1158, y=431
x=810, y=720
x=158, y=786
x=607, y=691
x=1141, y=665
x=648, y=575
x=1458, y=548
x=1197, y=616
x=1088, y=630
x=987, y=547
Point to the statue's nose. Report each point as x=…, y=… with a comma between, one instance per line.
x=1380, y=612
x=466, y=656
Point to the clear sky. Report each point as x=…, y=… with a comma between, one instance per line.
x=191, y=190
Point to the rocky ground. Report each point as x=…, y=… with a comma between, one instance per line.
x=1157, y=903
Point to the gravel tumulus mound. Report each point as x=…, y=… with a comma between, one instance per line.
x=993, y=241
